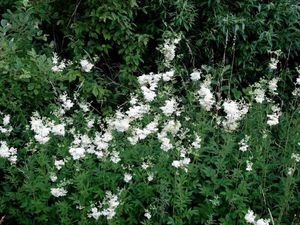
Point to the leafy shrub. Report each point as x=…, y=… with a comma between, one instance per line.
x=174, y=156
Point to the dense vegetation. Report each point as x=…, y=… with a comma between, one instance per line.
x=150, y=112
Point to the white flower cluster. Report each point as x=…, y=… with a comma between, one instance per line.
x=249, y=165
x=296, y=91
x=273, y=85
x=244, y=144
x=141, y=134
x=206, y=97
x=273, y=119
x=259, y=92
x=147, y=214
x=80, y=145
x=107, y=208
x=195, y=75
x=171, y=127
x=250, y=218
x=149, y=85
x=86, y=65
x=127, y=177
x=296, y=157
x=57, y=66
x=6, y=128
x=197, y=142
x=8, y=152
x=183, y=162
x=43, y=127
x=235, y=111
x=168, y=50
x=59, y=192
x=66, y=103
x=170, y=107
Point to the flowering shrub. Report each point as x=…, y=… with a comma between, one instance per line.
x=179, y=152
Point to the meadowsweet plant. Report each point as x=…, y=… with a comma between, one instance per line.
x=178, y=152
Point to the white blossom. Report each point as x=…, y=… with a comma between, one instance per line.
x=250, y=217
x=86, y=65
x=59, y=192
x=127, y=177
x=195, y=75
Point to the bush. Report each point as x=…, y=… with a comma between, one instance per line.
x=174, y=156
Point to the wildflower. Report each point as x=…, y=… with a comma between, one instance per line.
x=273, y=63
x=273, y=85
x=115, y=158
x=95, y=213
x=259, y=95
x=111, y=201
x=57, y=66
x=58, y=192
x=234, y=113
x=58, y=129
x=59, y=164
x=244, y=144
x=8, y=152
x=67, y=104
x=195, y=75
x=273, y=119
x=86, y=65
x=296, y=157
x=150, y=177
x=197, y=142
x=262, y=222
x=6, y=120
x=77, y=153
x=250, y=217
x=167, y=76
x=53, y=177
x=170, y=107
x=249, y=165
x=127, y=177
x=147, y=214
x=207, y=99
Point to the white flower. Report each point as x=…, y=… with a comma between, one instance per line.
x=58, y=192
x=7, y=152
x=273, y=64
x=77, y=153
x=244, y=144
x=127, y=177
x=273, y=119
x=296, y=157
x=206, y=99
x=262, y=222
x=53, y=178
x=170, y=107
x=259, y=95
x=147, y=214
x=167, y=76
x=115, y=158
x=250, y=217
x=234, y=113
x=94, y=213
x=59, y=164
x=249, y=165
x=6, y=120
x=197, y=142
x=195, y=75
x=86, y=65
x=58, y=129
x=150, y=177
x=122, y=125
x=273, y=85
